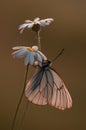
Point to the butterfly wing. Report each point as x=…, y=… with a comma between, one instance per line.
x=60, y=98
x=39, y=89
x=46, y=87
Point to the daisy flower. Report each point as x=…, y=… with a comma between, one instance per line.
x=36, y=24
x=31, y=55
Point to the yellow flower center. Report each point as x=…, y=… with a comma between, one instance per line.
x=31, y=49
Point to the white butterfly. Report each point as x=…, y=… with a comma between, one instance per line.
x=47, y=87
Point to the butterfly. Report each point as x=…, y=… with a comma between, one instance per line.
x=47, y=87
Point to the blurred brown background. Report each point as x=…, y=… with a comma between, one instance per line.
x=67, y=31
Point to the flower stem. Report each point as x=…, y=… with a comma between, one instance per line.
x=38, y=39
x=23, y=117
x=20, y=100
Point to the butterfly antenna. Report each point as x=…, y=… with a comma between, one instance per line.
x=20, y=100
x=59, y=54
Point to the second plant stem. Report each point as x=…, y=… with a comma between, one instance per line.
x=38, y=39
x=20, y=100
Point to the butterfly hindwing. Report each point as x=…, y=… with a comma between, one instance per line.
x=60, y=98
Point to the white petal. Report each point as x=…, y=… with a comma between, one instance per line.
x=36, y=19
x=42, y=23
x=45, y=22
x=27, y=59
x=30, y=25
x=18, y=47
x=19, y=53
x=39, y=59
x=35, y=48
x=32, y=54
x=28, y=21
x=43, y=56
x=22, y=26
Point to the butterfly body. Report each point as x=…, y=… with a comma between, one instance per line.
x=46, y=64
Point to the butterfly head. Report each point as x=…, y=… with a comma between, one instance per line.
x=46, y=64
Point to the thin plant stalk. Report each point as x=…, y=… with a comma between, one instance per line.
x=20, y=100
x=38, y=39
x=23, y=117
